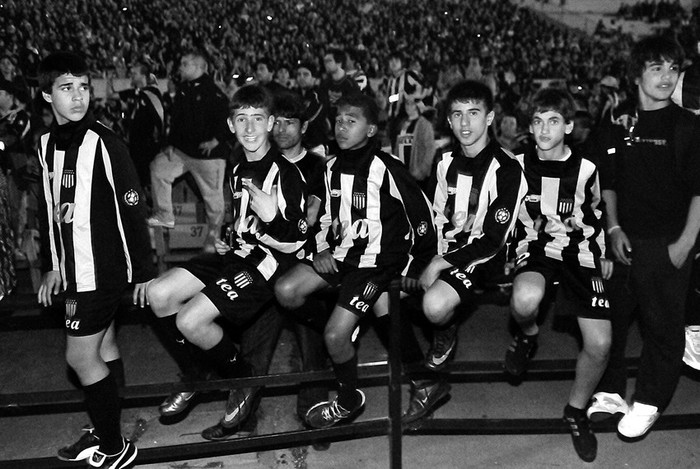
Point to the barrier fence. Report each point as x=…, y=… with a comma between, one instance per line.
x=389, y=373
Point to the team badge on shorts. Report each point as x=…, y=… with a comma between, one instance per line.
x=131, y=197
x=502, y=215
x=422, y=228
x=370, y=290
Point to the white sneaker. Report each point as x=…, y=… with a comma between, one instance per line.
x=605, y=405
x=638, y=420
x=691, y=357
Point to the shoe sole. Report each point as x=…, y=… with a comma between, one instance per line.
x=602, y=416
x=123, y=464
x=88, y=454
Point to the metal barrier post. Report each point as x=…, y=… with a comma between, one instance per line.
x=395, y=373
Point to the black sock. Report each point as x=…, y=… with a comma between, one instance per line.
x=182, y=351
x=571, y=411
x=116, y=369
x=410, y=348
x=224, y=355
x=102, y=402
x=346, y=374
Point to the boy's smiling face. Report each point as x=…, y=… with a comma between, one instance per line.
x=252, y=127
x=352, y=129
x=69, y=97
x=549, y=129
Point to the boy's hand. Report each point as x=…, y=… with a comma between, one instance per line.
x=262, y=203
x=208, y=146
x=324, y=263
x=432, y=272
x=620, y=246
x=678, y=252
x=606, y=268
x=221, y=247
x=50, y=285
x=410, y=285
x=141, y=294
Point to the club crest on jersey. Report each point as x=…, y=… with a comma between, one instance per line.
x=131, y=197
x=566, y=205
x=68, y=178
x=502, y=215
x=358, y=200
x=303, y=226
x=422, y=228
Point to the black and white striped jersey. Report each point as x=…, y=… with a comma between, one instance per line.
x=266, y=245
x=93, y=209
x=476, y=203
x=559, y=217
x=374, y=214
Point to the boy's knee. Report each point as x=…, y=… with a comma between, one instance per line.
x=435, y=308
x=335, y=341
x=158, y=297
x=287, y=294
x=598, y=348
x=524, y=304
x=188, y=323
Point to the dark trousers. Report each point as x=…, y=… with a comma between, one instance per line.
x=654, y=289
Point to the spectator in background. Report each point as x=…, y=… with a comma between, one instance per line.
x=315, y=113
x=415, y=142
x=401, y=84
x=354, y=71
x=9, y=74
x=265, y=74
x=198, y=131
x=337, y=84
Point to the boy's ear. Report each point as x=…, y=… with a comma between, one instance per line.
x=270, y=123
x=569, y=127
x=304, y=127
x=229, y=121
x=46, y=96
x=489, y=117
x=372, y=130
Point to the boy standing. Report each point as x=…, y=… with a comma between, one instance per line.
x=236, y=282
x=97, y=244
x=374, y=220
x=561, y=236
x=478, y=190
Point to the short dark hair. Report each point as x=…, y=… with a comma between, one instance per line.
x=338, y=55
x=361, y=101
x=255, y=96
x=289, y=106
x=553, y=99
x=653, y=49
x=397, y=55
x=309, y=65
x=268, y=63
x=143, y=67
x=470, y=90
x=60, y=63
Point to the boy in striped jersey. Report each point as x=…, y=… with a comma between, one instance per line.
x=96, y=244
x=374, y=222
x=478, y=190
x=235, y=283
x=560, y=236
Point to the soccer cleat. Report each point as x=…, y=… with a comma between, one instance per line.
x=328, y=413
x=241, y=401
x=155, y=221
x=176, y=403
x=82, y=449
x=519, y=353
x=114, y=461
x=638, y=420
x=424, y=398
x=604, y=405
x=585, y=442
x=219, y=432
x=442, y=349
x=691, y=357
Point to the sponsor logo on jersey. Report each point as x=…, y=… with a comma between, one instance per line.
x=451, y=190
x=335, y=192
x=534, y=198
x=131, y=197
x=238, y=194
x=502, y=215
x=68, y=178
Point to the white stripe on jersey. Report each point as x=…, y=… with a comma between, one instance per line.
x=85, y=276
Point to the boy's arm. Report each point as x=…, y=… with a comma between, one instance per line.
x=424, y=147
x=287, y=231
x=498, y=220
x=324, y=237
x=132, y=207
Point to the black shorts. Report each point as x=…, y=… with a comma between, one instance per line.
x=359, y=288
x=90, y=312
x=582, y=287
x=466, y=281
x=238, y=290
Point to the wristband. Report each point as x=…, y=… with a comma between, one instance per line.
x=613, y=228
